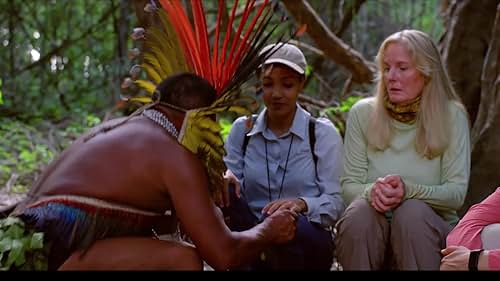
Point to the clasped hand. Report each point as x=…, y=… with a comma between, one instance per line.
x=387, y=193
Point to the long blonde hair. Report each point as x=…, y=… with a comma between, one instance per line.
x=432, y=122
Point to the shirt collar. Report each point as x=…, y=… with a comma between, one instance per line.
x=299, y=124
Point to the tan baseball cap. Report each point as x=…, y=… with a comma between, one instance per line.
x=288, y=55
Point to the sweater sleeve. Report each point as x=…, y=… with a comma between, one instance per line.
x=494, y=259
x=468, y=230
x=355, y=174
x=455, y=170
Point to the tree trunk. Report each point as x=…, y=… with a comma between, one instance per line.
x=464, y=46
x=471, y=51
x=485, y=161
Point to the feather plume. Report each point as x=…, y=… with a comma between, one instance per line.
x=178, y=45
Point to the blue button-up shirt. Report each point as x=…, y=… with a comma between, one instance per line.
x=322, y=194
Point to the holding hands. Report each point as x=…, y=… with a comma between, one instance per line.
x=296, y=205
x=280, y=226
x=387, y=193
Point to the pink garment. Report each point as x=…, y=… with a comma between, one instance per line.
x=468, y=230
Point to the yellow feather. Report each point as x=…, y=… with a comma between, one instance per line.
x=153, y=61
x=152, y=74
x=177, y=54
x=209, y=124
x=157, y=44
x=146, y=85
x=141, y=99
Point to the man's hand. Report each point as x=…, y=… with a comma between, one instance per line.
x=455, y=258
x=280, y=226
x=229, y=180
x=296, y=205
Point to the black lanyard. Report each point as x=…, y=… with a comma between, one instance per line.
x=284, y=172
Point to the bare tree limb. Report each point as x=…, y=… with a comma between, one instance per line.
x=348, y=14
x=333, y=47
x=347, y=87
x=308, y=47
x=310, y=100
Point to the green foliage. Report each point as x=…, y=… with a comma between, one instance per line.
x=378, y=19
x=337, y=113
x=25, y=150
x=346, y=104
x=309, y=70
x=226, y=125
x=20, y=156
x=1, y=95
x=81, y=69
x=21, y=248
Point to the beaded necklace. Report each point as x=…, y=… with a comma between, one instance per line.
x=160, y=119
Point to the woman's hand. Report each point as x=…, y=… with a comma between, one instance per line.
x=387, y=193
x=229, y=180
x=455, y=258
x=296, y=205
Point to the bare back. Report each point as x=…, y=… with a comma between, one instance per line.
x=125, y=165
x=140, y=165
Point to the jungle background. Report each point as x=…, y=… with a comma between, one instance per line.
x=63, y=63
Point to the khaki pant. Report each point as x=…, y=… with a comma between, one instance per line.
x=366, y=240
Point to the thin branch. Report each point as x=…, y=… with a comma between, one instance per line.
x=347, y=87
x=362, y=70
x=348, y=16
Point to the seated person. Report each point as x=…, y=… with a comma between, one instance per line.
x=474, y=243
x=407, y=161
x=286, y=160
x=100, y=202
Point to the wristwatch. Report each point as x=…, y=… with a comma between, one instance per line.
x=474, y=259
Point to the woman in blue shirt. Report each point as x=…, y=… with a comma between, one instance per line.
x=273, y=159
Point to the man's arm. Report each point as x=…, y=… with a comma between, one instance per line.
x=203, y=222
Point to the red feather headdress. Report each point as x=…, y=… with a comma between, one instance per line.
x=176, y=44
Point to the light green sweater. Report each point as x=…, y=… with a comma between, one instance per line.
x=441, y=182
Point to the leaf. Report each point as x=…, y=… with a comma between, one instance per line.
x=16, y=253
x=5, y=244
x=14, y=231
x=10, y=221
x=36, y=241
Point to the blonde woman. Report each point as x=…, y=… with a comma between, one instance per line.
x=407, y=161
